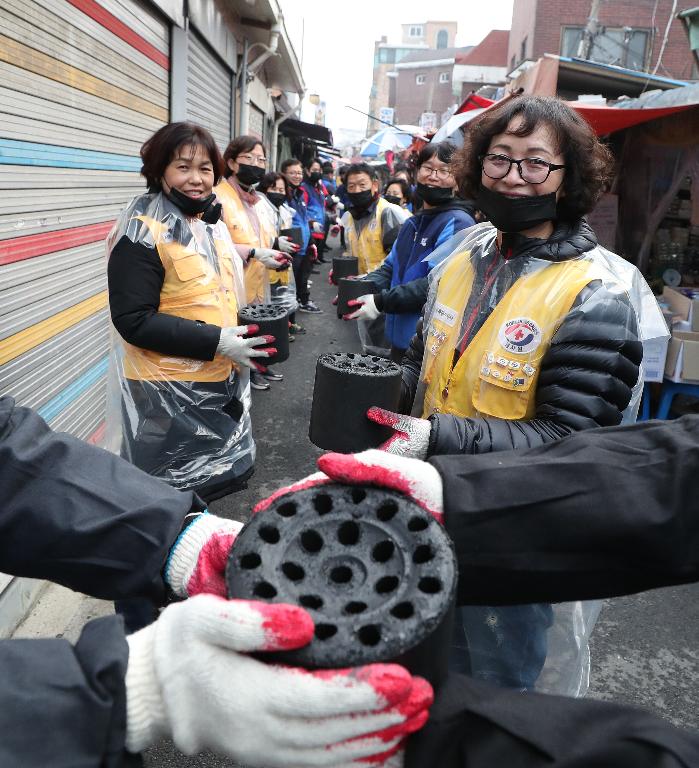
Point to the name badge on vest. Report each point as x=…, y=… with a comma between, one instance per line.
x=445, y=314
x=520, y=335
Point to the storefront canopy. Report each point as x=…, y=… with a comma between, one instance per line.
x=604, y=119
x=297, y=129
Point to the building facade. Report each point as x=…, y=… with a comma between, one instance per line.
x=424, y=87
x=414, y=37
x=83, y=85
x=632, y=34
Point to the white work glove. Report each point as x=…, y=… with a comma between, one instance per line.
x=414, y=478
x=270, y=258
x=411, y=438
x=366, y=308
x=189, y=679
x=286, y=245
x=317, y=227
x=232, y=344
x=197, y=560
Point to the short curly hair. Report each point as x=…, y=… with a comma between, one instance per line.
x=589, y=163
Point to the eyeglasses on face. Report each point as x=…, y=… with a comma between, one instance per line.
x=249, y=159
x=441, y=173
x=533, y=170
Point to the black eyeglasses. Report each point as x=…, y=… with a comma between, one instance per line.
x=533, y=170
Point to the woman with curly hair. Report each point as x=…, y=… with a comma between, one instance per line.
x=531, y=331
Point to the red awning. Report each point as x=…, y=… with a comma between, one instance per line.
x=609, y=119
x=603, y=119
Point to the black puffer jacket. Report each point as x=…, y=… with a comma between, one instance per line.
x=585, y=378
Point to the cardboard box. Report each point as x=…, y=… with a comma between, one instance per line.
x=654, y=354
x=682, y=361
x=682, y=306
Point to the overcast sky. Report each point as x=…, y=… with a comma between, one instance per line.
x=338, y=42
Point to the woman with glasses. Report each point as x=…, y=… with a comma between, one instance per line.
x=531, y=331
x=253, y=234
x=401, y=280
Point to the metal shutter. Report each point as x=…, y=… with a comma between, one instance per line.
x=209, y=87
x=82, y=84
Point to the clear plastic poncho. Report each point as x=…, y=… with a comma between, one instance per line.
x=184, y=420
x=502, y=331
x=281, y=284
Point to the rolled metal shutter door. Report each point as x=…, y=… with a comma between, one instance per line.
x=209, y=88
x=82, y=84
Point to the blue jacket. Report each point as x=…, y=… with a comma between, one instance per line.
x=315, y=201
x=402, y=278
x=297, y=200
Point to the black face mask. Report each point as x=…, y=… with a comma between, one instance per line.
x=435, y=195
x=360, y=201
x=315, y=177
x=249, y=174
x=516, y=214
x=276, y=198
x=192, y=207
x=395, y=199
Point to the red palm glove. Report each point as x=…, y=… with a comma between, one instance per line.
x=412, y=435
x=197, y=560
x=313, y=250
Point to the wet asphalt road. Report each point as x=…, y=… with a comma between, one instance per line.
x=645, y=648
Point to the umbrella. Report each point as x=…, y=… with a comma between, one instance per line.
x=397, y=137
x=451, y=129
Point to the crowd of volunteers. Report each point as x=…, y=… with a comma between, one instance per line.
x=520, y=343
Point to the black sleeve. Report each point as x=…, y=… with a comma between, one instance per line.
x=65, y=705
x=409, y=297
x=389, y=236
x=135, y=276
x=585, y=381
x=80, y=516
x=477, y=725
x=381, y=276
x=600, y=513
x=410, y=369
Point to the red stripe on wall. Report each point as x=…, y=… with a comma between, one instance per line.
x=29, y=246
x=98, y=435
x=110, y=22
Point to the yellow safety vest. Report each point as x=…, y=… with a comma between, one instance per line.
x=368, y=245
x=193, y=290
x=497, y=374
x=243, y=232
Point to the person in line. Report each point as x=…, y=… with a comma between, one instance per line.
x=405, y=172
x=316, y=197
x=282, y=283
x=371, y=226
x=531, y=331
x=341, y=194
x=333, y=205
x=252, y=229
x=584, y=517
x=292, y=171
x=84, y=518
x=397, y=191
x=401, y=280
x=179, y=405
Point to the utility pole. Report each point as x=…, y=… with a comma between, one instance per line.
x=590, y=32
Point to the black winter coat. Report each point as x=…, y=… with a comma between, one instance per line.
x=586, y=377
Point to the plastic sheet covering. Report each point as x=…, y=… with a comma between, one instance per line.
x=372, y=336
x=281, y=284
x=186, y=421
x=556, y=658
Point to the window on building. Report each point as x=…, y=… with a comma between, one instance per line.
x=443, y=77
x=625, y=47
x=415, y=31
x=523, y=50
x=420, y=79
x=387, y=55
x=442, y=38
